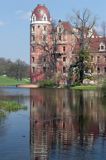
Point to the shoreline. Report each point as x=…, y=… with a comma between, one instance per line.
x=27, y=86
x=36, y=86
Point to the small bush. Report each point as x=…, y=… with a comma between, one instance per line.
x=46, y=83
x=104, y=89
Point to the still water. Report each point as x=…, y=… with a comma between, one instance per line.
x=59, y=124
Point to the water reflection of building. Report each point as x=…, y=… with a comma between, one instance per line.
x=61, y=119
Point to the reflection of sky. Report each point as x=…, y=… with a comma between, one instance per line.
x=14, y=91
x=14, y=128
x=14, y=139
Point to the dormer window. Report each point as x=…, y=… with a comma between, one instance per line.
x=44, y=17
x=102, y=47
x=33, y=18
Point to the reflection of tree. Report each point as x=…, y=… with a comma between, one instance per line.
x=61, y=118
x=81, y=118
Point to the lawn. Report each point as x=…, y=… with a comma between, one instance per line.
x=85, y=87
x=7, y=81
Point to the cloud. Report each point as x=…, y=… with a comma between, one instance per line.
x=23, y=15
x=2, y=23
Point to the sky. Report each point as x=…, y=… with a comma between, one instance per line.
x=15, y=21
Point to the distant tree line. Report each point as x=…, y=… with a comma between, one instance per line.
x=18, y=69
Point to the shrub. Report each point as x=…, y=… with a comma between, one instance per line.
x=46, y=83
x=104, y=89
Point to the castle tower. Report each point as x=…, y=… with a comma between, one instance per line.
x=40, y=27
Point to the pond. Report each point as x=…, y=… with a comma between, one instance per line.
x=59, y=124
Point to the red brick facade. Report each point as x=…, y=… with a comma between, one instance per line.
x=40, y=60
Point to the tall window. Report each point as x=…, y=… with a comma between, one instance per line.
x=44, y=69
x=33, y=48
x=33, y=38
x=33, y=69
x=64, y=59
x=98, y=70
x=64, y=69
x=105, y=58
x=33, y=59
x=98, y=59
x=64, y=48
x=33, y=28
x=44, y=59
x=104, y=69
x=92, y=58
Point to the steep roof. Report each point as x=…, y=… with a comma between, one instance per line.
x=66, y=25
x=94, y=45
x=39, y=12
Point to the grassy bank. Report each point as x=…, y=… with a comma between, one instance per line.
x=85, y=87
x=7, y=81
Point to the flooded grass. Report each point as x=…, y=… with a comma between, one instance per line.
x=11, y=106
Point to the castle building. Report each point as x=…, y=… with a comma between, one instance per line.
x=52, y=54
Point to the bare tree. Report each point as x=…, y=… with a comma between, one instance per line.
x=83, y=24
x=49, y=46
x=104, y=32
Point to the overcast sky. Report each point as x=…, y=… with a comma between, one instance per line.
x=15, y=15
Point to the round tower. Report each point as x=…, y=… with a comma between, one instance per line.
x=40, y=27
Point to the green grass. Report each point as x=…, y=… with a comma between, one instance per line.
x=84, y=87
x=10, y=106
x=7, y=81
